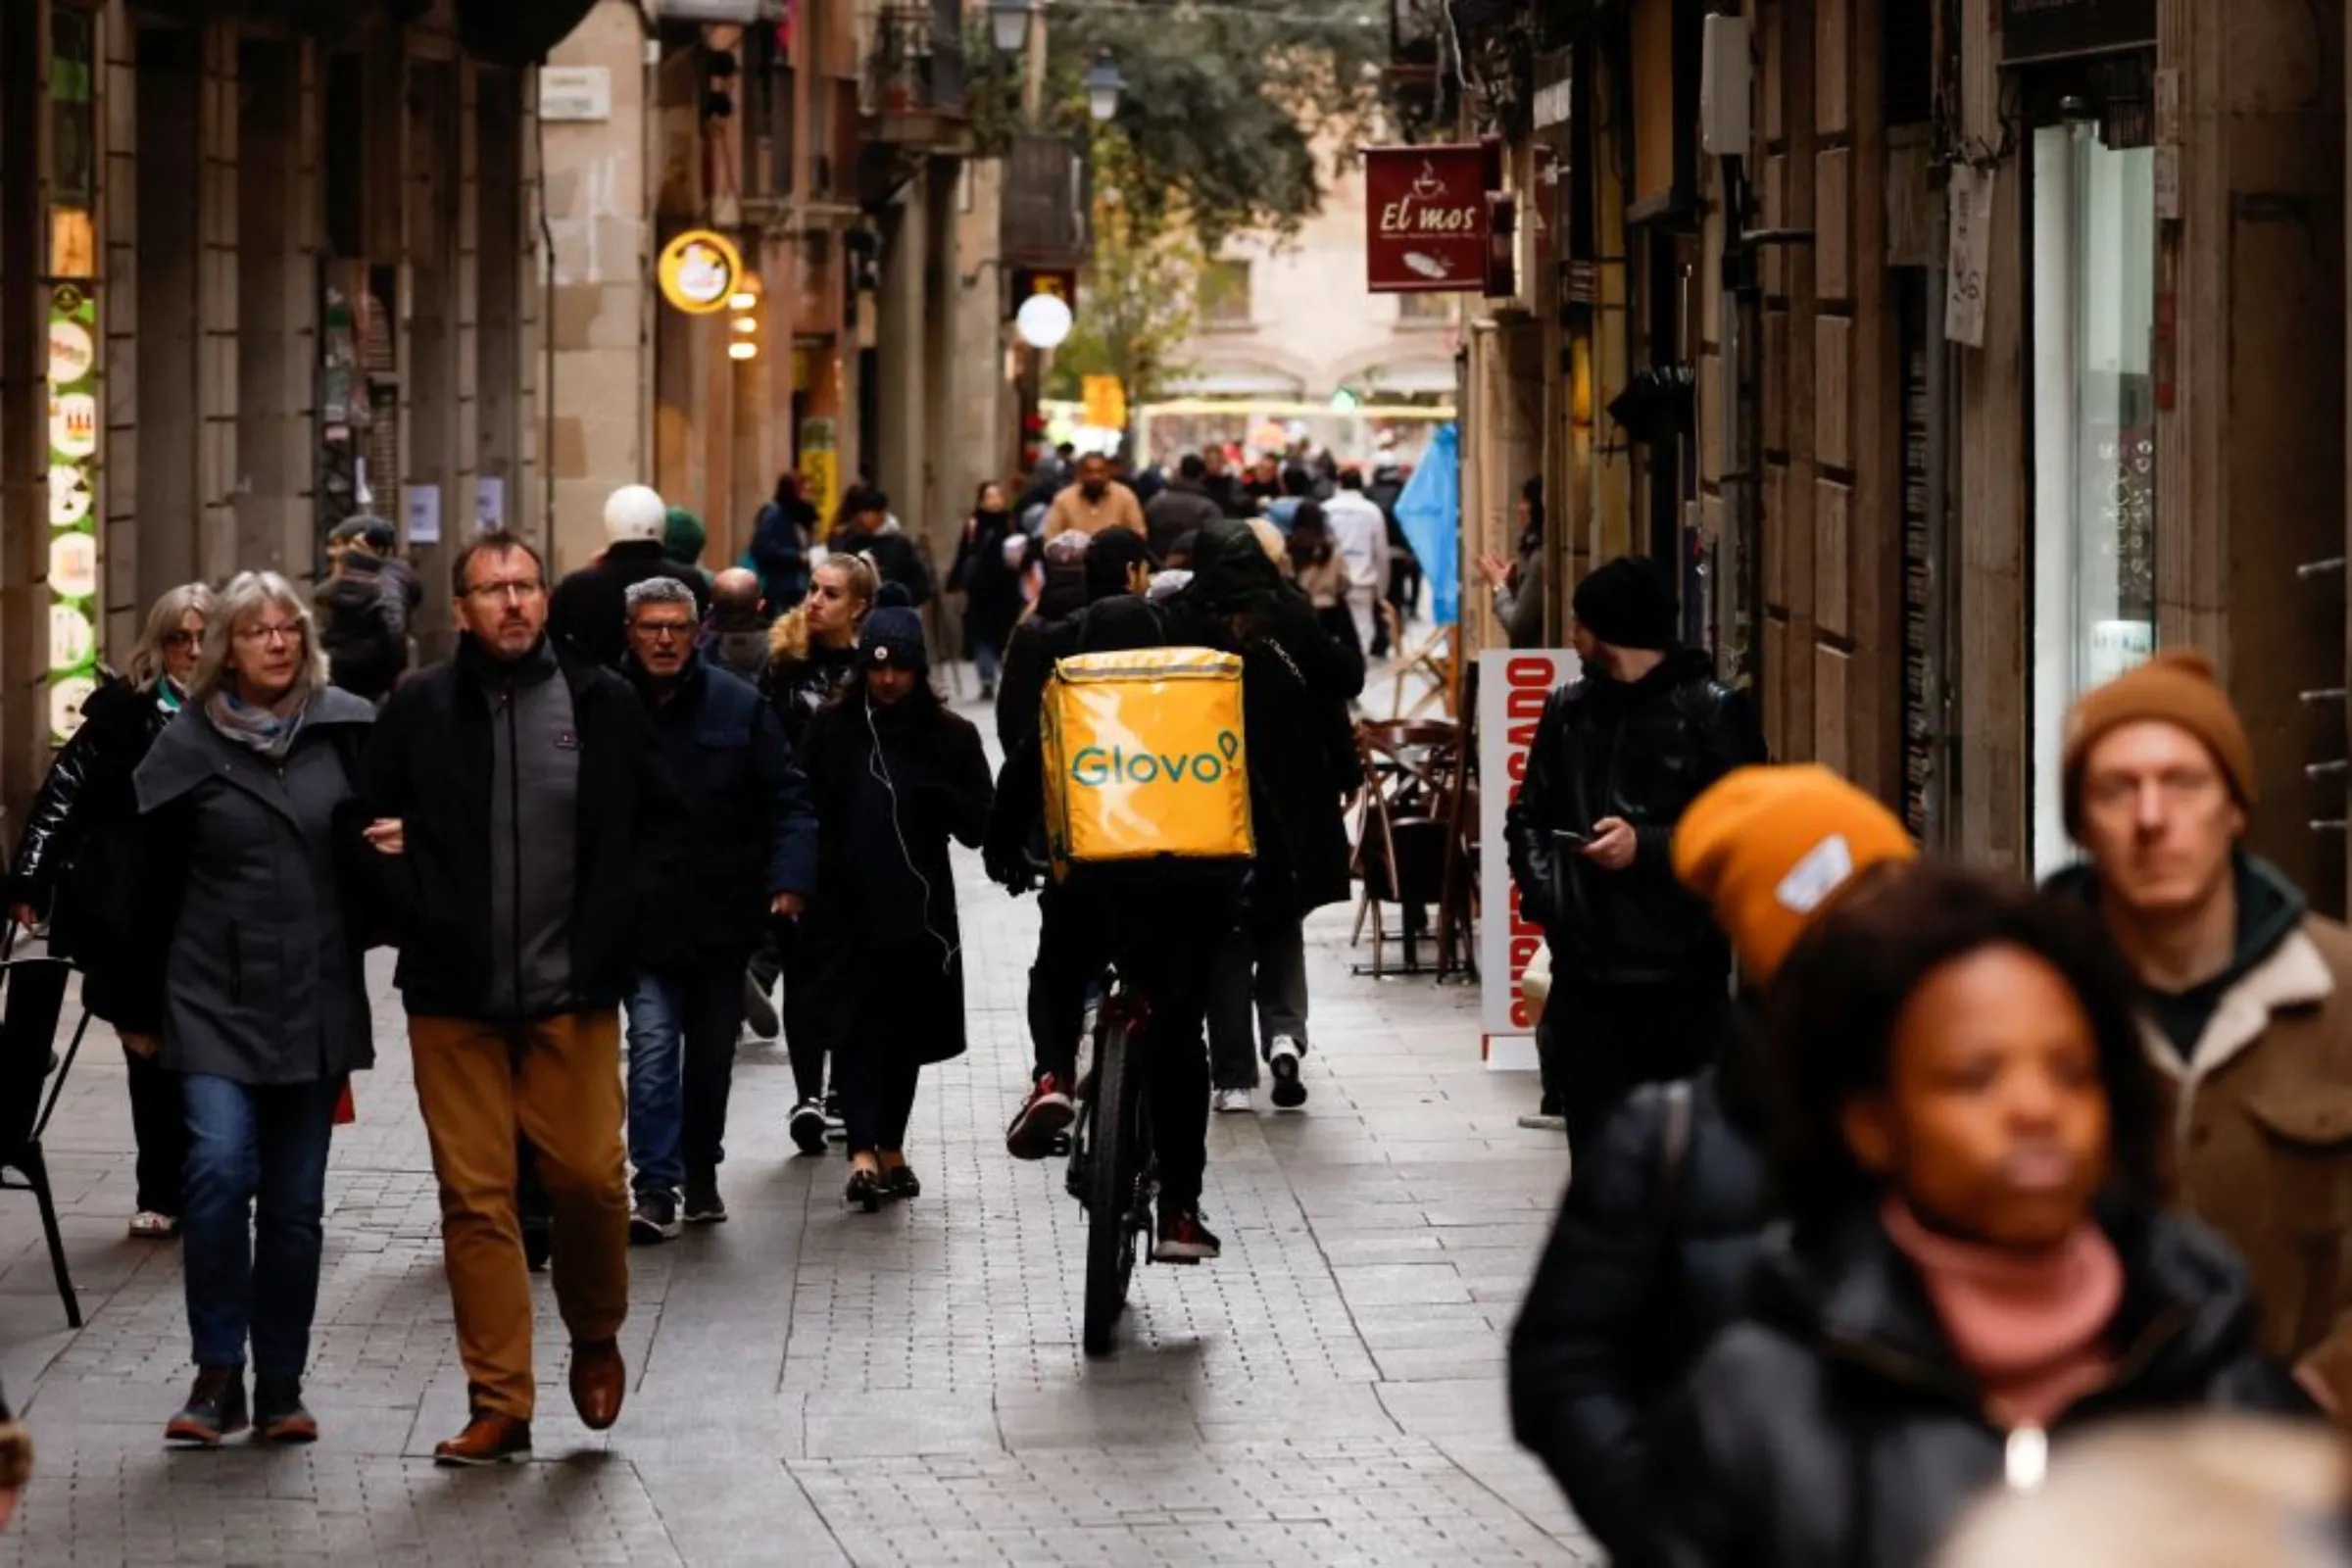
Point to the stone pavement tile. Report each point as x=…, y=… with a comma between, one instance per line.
x=1400, y=1284
x=728, y=1511
x=1447, y=1407
x=865, y=1424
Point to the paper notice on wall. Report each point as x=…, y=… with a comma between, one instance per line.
x=421, y=509
x=1970, y=257
x=489, y=502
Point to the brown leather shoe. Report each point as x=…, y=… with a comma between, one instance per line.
x=598, y=1381
x=487, y=1440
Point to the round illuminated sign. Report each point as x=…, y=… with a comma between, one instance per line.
x=698, y=272
x=1044, y=321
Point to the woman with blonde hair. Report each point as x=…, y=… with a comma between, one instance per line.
x=244, y=970
x=813, y=654
x=77, y=861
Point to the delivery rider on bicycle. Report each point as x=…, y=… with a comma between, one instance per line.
x=1165, y=921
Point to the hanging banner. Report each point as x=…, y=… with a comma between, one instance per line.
x=1425, y=214
x=73, y=419
x=1513, y=685
x=1430, y=511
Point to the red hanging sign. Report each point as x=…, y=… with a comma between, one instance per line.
x=1425, y=214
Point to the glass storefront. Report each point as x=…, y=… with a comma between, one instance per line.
x=2092, y=268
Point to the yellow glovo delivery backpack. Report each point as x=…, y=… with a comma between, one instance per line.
x=1144, y=758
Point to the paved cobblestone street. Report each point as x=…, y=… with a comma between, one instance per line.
x=815, y=1385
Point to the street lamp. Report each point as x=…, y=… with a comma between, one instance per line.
x=1008, y=24
x=1103, y=84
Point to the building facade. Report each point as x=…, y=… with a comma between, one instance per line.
x=1995, y=347
x=264, y=264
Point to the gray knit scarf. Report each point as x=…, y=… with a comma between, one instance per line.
x=263, y=729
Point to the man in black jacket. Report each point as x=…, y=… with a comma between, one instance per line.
x=1640, y=973
x=527, y=819
x=367, y=608
x=586, y=614
x=1184, y=507
x=750, y=858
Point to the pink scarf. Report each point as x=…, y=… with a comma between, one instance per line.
x=2031, y=1329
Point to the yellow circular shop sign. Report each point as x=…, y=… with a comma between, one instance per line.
x=698, y=272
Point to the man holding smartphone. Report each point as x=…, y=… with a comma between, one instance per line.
x=1641, y=975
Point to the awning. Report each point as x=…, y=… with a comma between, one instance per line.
x=1239, y=383
x=518, y=32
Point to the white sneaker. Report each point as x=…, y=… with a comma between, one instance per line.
x=1232, y=1102
x=1281, y=1060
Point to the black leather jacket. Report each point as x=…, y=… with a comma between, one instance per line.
x=1642, y=751
x=1837, y=1426
x=797, y=688
x=76, y=859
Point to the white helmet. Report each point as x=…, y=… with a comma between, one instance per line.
x=635, y=514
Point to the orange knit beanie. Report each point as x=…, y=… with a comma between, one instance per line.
x=1768, y=848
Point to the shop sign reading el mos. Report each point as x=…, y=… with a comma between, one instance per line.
x=698, y=272
x=74, y=406
x=1426, y=209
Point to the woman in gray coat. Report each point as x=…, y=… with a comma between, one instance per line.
x=245, y=960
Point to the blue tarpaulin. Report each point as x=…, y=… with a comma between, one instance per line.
x=1430, y=510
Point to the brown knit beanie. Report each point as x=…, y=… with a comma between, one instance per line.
x=2177, y=689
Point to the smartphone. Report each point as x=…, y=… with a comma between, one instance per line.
x=1571, y=838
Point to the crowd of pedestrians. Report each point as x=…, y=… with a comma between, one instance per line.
x=636, y=812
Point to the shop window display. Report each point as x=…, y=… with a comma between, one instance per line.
x=2093, y=278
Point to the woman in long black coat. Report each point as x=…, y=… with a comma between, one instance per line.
x=77, y=864
x=896, y=776
x=989, y=564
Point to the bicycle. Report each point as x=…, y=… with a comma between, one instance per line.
x=1112, y=1171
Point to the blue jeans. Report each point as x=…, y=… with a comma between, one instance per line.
x=256, y=1192
x=683, y=1029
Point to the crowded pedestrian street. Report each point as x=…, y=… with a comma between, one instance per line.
x=812, y=1386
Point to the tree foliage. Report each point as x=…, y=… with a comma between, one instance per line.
x=1226, y=104
x=1140, y=293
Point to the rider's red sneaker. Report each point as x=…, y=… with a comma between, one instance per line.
x=1043, y=1117
x=1183, y=1239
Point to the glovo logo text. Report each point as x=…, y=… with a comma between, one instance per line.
x=1096, y=767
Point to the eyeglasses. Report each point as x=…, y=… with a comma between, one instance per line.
x=662, y=631
x=271, y=633
x=517, y=589
x=182, y=639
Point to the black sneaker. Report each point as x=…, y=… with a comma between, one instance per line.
x=216, y=1408
x=837, y=1127
x=808, y=1127
x=654, y=1221
x=278, y=1415
x=704, y=1205
x=1183, y=1239
x=1281, y=1061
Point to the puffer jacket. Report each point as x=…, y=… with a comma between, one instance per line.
x=1642, y=751
x=1836, y=1426
x=1649, y=1259
x=802, y=677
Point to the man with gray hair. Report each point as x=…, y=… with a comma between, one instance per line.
x=749, y=856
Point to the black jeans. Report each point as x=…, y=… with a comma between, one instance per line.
x=802, y=1037
x=1165, y=942
x=1607, y=1040
x=1074, y=948
x=158, y=1125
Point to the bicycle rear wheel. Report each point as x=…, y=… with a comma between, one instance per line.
x=1113, y=1161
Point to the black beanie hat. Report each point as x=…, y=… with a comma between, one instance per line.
x=892, y=639
x=1629, y=604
